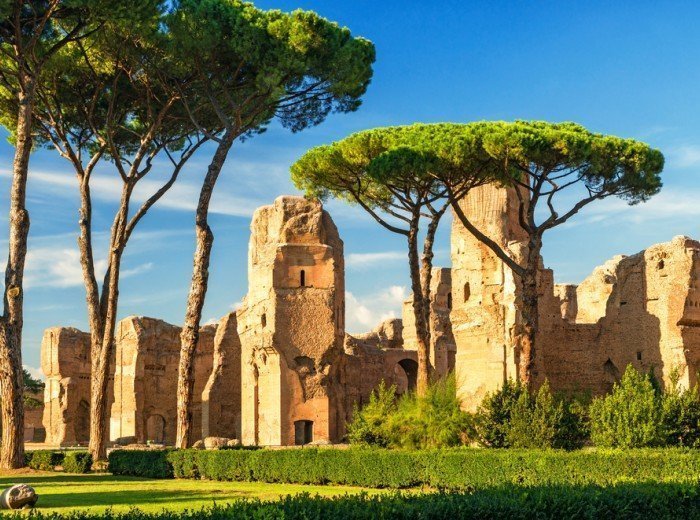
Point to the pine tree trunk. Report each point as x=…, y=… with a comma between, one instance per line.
x=198, y=291
x=427, y=275
x=103, y=348
x=422, y=334
x=11, y=376
x=530, y=314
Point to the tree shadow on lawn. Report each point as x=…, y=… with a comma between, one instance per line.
x=141, y=498
x=63, y=478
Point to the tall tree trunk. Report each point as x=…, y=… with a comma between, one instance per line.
x=11, y=376
x=427, y=271
x=530, y=313
x=102, y=348
x=422, y=334
x=198, y=291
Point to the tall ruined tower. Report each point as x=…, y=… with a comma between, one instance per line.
x=485, y=293
x=291, y=326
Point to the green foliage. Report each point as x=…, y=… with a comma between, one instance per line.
x=513, y=418
x=492, y=420
x=77, y=462
x=142, y=463
x=681, y=416
x=44, y=460
x=448, y=469
x=368, y=426
x=631, y=416
x=32, y=384
x=434, y=420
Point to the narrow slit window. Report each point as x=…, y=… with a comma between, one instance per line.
x=302, y=278
x=449, y=300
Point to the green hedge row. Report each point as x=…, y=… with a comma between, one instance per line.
x=455, y=469
x=626, y=502
x=71, y=461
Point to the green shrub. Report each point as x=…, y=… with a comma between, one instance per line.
x=492, y=420
x=44, y=460
x=629, y=417
x=141, y=463
x=368, y=426
x=513, y=418
x=77, y=462
x=681, y=416
x=544, y=421
x=434, y=420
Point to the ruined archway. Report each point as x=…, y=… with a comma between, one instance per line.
x=409, y=369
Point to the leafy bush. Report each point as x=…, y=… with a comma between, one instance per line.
x=141, y=463
x=77, y=462
x=44, y=460
x=681, y=416
x=629, y=417
x=512, y=417
x=434, y=420
x=492, y=420
x=368, y=426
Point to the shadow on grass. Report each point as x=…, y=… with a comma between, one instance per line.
x=646, y=501
x=78, y=479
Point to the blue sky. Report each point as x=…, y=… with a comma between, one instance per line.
x=625, y=68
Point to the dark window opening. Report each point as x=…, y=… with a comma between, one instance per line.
x=302, y=278
x=449, y=300
x=263, y=320
x=303, y=432
x=661, y=264
x=467, y=292
x=639, y=355
x=623, y=303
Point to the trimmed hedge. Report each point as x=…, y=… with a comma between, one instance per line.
x=141, y=463
x=626, y=501
x=71, y=461
x=455, y=469
x=77, y=462
x=44, y=460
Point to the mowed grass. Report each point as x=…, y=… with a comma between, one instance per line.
x=63, y=492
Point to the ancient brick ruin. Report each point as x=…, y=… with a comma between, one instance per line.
x=281, y=370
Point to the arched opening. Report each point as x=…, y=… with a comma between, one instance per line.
x=611, y=375
x=82, y=422
x=155, y=429
x=302, y=278
x=449, y=300
x=467, y=292
x=303, y=432
x=410, y=369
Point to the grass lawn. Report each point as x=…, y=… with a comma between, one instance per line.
x=63, y=492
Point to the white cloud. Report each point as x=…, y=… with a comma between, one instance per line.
x=60, y=267
x=236, y=305
x=363, y=313
x=364, y=260
x=684, y=156
x=36, y=373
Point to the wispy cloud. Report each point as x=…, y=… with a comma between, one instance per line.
x=363, y=313
x=686, y=156
x=36, y=373
x=365, y=260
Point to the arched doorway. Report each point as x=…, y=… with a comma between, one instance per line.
x=406, y=375
x=155, y=429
